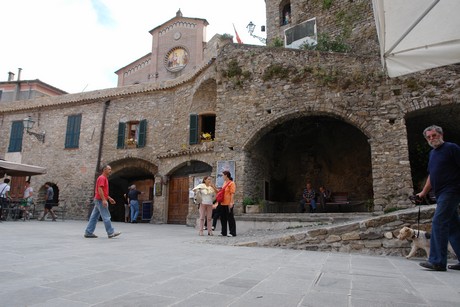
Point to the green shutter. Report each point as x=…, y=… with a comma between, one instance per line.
x=17, y=130
x=121, y=135
x=193, y=129
x=72, y=137
x=142, y=133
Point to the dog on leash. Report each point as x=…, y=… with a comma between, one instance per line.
x=419, y=240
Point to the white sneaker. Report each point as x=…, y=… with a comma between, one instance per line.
x=229, y=235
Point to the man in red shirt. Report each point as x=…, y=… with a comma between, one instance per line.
x=101, y=206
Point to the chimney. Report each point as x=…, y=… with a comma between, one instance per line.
x=19, y=74
x=10, y=76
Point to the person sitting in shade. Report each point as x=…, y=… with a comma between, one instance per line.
x=308, y=198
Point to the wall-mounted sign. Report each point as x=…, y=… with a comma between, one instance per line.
x=224, y=166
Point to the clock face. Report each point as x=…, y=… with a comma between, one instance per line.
x=177, y=35
x=176, y=59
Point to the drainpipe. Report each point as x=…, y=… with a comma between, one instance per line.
x=18, y=86
x=101, y=140
x=99, y=153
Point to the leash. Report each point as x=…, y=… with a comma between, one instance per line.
x=416, y=200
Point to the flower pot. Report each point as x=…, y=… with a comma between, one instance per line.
x=252, y=209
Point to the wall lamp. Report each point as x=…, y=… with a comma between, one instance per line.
x=29, y=124
x=251, y=27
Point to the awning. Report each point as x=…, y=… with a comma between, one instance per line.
x=18, y=169
x=415, y=35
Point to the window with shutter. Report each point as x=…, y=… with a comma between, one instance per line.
x=72, y=137
x=17, y=130
x=193, y=139
x=142, y=133
x=121, y=135
x=202, y=128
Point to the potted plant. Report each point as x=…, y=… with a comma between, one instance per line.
x=206, y=136
x=250, y=205
x=131, y=143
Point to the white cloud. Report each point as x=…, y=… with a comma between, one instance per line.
x=77, y=45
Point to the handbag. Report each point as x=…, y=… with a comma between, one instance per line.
x=198, y=197
x=220, y=195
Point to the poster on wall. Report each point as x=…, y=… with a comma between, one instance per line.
x=224, y=166
x=197, y=180
x=158, y=189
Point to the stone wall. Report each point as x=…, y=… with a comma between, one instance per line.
x=349, y=21
x=375, y=236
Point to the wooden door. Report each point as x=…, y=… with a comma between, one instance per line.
x=178, y=200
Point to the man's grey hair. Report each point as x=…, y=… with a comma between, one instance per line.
x=431, y=128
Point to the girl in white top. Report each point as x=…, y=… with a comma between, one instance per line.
x=208, y=193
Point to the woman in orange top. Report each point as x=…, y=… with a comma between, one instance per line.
x=227, y=206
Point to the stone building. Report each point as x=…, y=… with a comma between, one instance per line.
x=276, y=117
x=18, y=89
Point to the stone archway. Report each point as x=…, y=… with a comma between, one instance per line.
x=445, y=116
x=321, y=149
x=126, y=172
x=180, y=182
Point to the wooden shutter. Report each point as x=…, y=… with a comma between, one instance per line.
x=142, y=133
x=121, y=135
x=17, y=130
x=72, y=138
x=193, y=129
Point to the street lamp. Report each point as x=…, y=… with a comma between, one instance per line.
x=251, y=27
x=29, y=124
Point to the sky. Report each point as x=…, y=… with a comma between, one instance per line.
x=77, y=45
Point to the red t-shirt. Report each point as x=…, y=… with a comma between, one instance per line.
x=102, y=182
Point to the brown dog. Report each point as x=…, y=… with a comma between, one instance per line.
x=420, y=240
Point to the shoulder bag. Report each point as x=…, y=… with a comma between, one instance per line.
x=220, y=195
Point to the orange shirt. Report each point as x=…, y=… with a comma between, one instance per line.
x=229, y=190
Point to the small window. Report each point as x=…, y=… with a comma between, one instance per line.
x=132, y=134
x=17, y=130
x=72, y=136
x=202, y=128
x=286, y=14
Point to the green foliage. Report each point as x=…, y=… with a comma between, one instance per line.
x=412, y=84
x=370, y=205
x=248, y=201
x=327, y=4
x=233, y=69
x=391, y=209
x=227, y=36
x=276, y=42
x=275, y=71
x=236, y=73
x=327, y=43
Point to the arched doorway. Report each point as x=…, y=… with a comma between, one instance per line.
x=323, y=150
x=447, y=117
x=126, y=172
x=180, y=183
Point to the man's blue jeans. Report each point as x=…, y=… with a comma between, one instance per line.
x=99, y=210
x=303, y=204
x=134, y=210
x=445, y=228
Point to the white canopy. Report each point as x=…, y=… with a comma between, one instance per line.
x=18, y=169
x=416, y=35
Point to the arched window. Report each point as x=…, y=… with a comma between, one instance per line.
x=285, y=12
